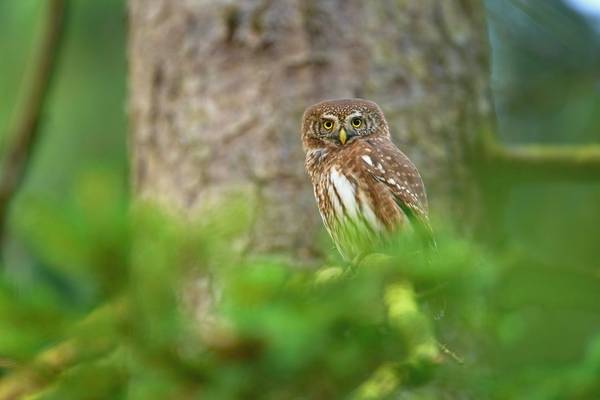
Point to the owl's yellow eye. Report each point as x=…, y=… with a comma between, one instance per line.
x=328, y=125
x=356, y=122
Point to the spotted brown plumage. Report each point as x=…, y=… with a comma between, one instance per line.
x=365, y=187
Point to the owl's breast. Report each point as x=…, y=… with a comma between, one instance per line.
x=351, y=213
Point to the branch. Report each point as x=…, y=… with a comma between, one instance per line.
x=541, y=162
x=24, y=132
x=101, y=332
x=6, y=363
x=93, y=342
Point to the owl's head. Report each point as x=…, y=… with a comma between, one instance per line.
x=341, y=122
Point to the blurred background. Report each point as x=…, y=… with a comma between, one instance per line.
x=83, y=139
x=540, y=335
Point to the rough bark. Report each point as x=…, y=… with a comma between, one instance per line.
x=217, y=90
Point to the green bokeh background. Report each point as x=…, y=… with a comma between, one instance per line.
x=532, y=309
x=85, y=124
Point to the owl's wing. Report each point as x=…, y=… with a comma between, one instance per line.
x=388, y=165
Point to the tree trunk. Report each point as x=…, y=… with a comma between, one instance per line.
x=218, y=87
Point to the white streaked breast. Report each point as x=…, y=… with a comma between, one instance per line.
x=335, y=202
x=369, y=214
x=346, y=191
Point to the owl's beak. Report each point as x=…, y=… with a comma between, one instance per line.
x=343, y=136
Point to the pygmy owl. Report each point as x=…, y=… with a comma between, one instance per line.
x=365, y=187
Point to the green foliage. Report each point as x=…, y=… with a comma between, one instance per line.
x=102, y=301
x=273, y=330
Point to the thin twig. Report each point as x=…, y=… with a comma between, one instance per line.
x=24, y=132
x=446, y=351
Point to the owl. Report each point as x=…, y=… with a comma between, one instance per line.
x=365, y=187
